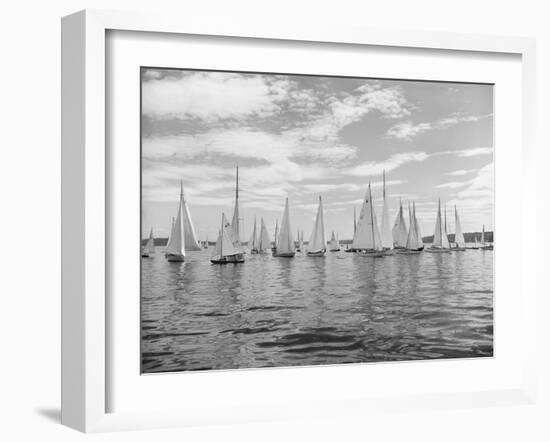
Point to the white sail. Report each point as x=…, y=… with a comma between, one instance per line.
x=399, y=231
x=176, y=243
x=301, y=240
x=420, y=242
x=171, y=231
x=226, y=244
x=440, y=237
x=253, y=241
x=265, y=241
x=334, y=244
x=276, y=233
x=483, y=235
x=385, y=229
x=218, y=247
x=317, y=241
x=412, y=237
x=150, y=244
x=235, y=220
x=354, y=221
x=285, y=241
x=459, y=237
x=191, y=242
x=367, y=235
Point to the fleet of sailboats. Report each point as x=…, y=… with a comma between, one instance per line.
x=370, y=238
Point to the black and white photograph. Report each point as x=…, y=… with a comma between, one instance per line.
x=303, y=220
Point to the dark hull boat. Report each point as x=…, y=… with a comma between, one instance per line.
x=371, y=253
x=284, y=254
x=233, y=259
x=318, y=253
x=173, y=257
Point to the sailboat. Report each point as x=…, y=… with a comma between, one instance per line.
x=414, y=244
x=440, y=242
x=191, y=243
x=175, y=248
x=367, y=240
x=399, y=231
x=149, y=247
x=285, y=243
x=385, y=229
x=460, y=244
x=301, y=241
x=206, y=243
x=484, y=245
x=253, y=241
x=274, y=248
x=317, y=245
x=298, y=244
x=264, y=242
x=476, y=245
x=227, y=249
x=235, y=221
x=334, y=244
x=348, y=248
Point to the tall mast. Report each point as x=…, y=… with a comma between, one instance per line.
x=371, y=218
x=235, y=220
x=237, y=185
x=354, y=221
x=445, y=219
x=384, y=184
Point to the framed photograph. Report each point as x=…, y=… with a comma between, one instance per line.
x=265, y=223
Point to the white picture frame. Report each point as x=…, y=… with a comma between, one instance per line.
x=85, y=202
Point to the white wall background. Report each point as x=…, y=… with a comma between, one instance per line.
x=30, y=219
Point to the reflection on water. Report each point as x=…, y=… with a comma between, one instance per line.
x=342, y=308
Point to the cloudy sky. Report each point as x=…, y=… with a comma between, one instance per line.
x=304, y=136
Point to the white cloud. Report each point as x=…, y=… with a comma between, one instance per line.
x=407, y=130
x=370, y=168
x=459, y=172
x=211, y=95
x=472, y=152
x=451, y=185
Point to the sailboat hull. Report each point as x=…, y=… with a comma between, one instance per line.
x=410, y=252
x=334, y=250
x=437, y=250
x=319, y=253
x=170, y=257
x=458, y=249
x=233, y=259
x=486, y=248
x=145, y=255
x=284, y=255
x=371, y=253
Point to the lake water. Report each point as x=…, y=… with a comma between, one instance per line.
x=342, y=308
